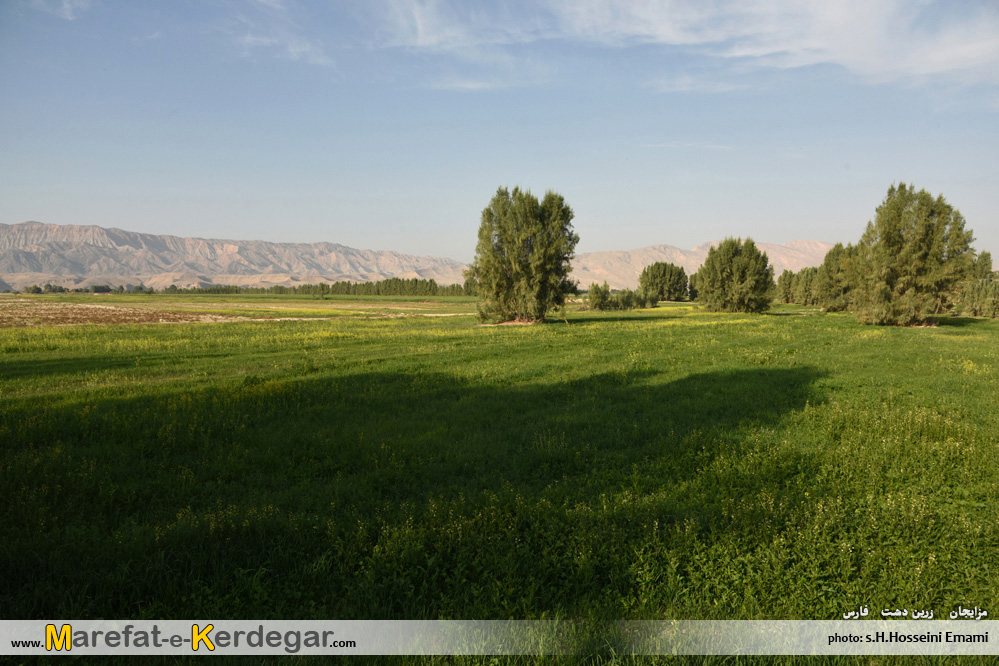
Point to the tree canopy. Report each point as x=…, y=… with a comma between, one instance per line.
x=663, y=281
x=736, y=277
x=522, y=260
x=600, y=297
x=833, y=281
x=913, y=259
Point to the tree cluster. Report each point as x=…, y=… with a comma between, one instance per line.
x=829, y=285
x=600, y=297
x=981, y=298
x=735, y=277
x=387, y=287
x=663, y=281
x=50, y=288
x=915, y=260
x=522, y=260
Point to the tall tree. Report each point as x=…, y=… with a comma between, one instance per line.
x=736, y=277
x=832, y=282
x=692, y=286
x=912, y=259
x=980, y=296
x=785, y=284
x=598, y=296
x=803, y=286
x=663, y=281
x=982, y=269
x=522, y=261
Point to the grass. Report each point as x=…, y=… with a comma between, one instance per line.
x=276, y=305
x=664, y=463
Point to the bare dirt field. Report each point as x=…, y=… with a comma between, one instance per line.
x=29, y=312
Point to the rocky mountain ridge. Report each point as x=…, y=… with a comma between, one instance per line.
x=75, y=255
x=71, y=255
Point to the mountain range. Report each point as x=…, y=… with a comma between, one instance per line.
x=75, y=256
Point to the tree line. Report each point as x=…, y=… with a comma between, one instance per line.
x=735, y=277
x=387, y=287
x=915, y=260
x=49, y=288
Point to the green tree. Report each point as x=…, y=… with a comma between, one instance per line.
x=803, y=286
x=981, y=298
x=598, y=296
x=521, y=264
x=664, y=281
x=736, y=277
x=912, y=260
x=832, y=282
x=601, y=298
x=784, y=285
x=469, y=288
x=982, y=269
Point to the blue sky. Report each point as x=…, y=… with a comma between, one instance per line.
x=390, y=124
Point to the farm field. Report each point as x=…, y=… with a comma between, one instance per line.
x=68, y=309
x=339, y=460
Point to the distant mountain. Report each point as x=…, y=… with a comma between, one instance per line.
x=621, y=268
x=35, y=253
x=73, y=256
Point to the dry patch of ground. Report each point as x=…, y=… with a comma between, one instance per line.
x=29, y=312
x=514, y=322
x=428, y=314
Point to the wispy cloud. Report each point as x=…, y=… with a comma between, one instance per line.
x=278, y=5
x=150, y=37
x=296, y=48
x=887, y=40
x=884, y=40
x=456, y=26
x=68, y=10
x=268, y=26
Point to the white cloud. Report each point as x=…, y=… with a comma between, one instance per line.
x=151, y=37
x=887, y=39
x=299, y=48
x=457, y=26
x=883, y=40
x=289, y=46
x=277, y=5
x=64, y=9
x=272, y=29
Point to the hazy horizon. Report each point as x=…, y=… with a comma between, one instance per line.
x=390, y=125
x=403, y=251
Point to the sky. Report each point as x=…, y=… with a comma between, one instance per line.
x=390, y=124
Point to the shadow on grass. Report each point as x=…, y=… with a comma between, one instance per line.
x=601, y=317
x=379, y=495
x=15, y=368
x=799, y=313
x=961, y=322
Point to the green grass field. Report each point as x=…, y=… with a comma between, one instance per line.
x=663, y=463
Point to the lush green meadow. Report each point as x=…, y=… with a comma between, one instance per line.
x=348, y=464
